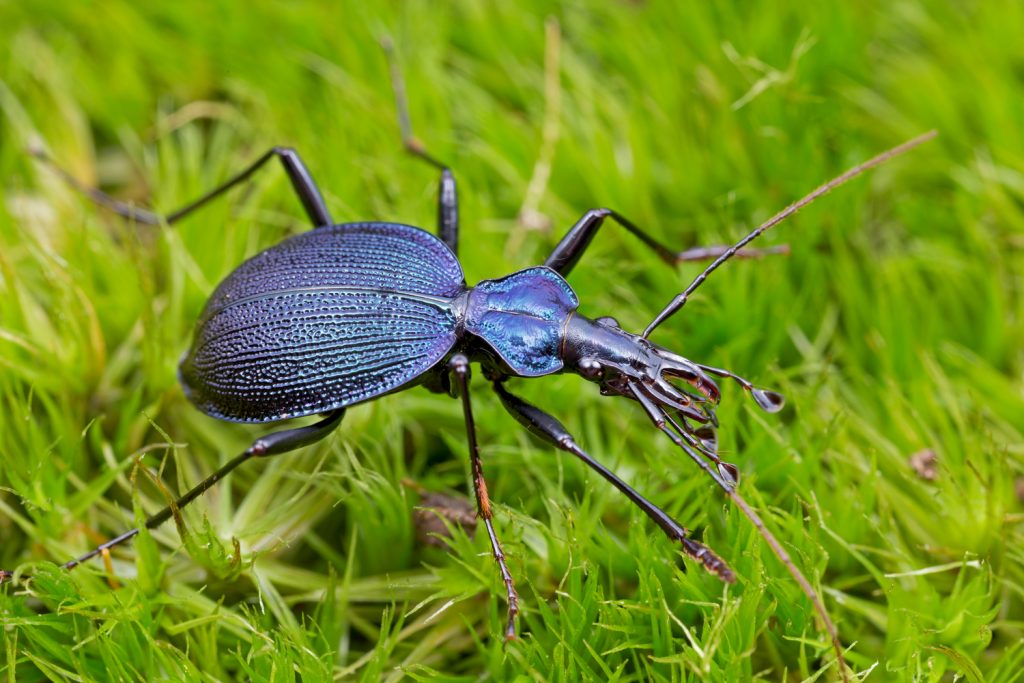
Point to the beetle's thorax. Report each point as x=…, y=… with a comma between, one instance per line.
x=521, y=318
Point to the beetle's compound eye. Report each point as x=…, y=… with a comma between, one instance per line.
x=608, y=321
x=591, y=369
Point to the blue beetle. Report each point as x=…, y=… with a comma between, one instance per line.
x=349, y=312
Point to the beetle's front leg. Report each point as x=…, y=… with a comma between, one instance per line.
x=551, y=430
x=571, y=248
x=458, y=367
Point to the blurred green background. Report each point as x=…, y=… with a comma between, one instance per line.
x=894, y=328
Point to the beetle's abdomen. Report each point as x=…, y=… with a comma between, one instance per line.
x=326, y=319
x=301, y=352
x=522, y=317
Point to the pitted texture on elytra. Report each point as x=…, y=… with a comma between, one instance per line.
x=325, y=319
x=521, y=317
x=301, y=352
x=373, y=255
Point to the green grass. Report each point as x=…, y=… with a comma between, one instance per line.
x=896, y=325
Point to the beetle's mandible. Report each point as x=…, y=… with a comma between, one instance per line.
x=346, y=313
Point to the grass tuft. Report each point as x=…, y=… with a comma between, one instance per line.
x=894, y=327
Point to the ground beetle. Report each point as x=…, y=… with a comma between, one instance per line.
x=349, y=312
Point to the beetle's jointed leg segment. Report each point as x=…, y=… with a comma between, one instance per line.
x=551, y=430
x=571, y=248
x=458, y=366
x=298, y=174
x=271, y=444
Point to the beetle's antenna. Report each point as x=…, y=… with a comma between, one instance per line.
x=680, y=300
x=663, y=422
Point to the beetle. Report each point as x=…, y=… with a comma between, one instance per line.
x=349, y=312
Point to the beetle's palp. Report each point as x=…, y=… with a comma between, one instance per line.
x=768, y=400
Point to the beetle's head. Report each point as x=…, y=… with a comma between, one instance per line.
x=625, y=364
x=670, y=387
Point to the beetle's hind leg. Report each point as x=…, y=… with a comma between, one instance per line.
x=271, y=444
x=298, y=174
x=458, y=366
x=551, y=430
x=448, y=200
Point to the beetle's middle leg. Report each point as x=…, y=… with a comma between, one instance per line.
x=271, y=444
x=447, y=199
x=551, y=430
x=568, y=252
x=458, y=366
x=298, y=174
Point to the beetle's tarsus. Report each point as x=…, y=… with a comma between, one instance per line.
x=273, y=444
x=513, y=612
x=459, y=370
x=707, y=557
